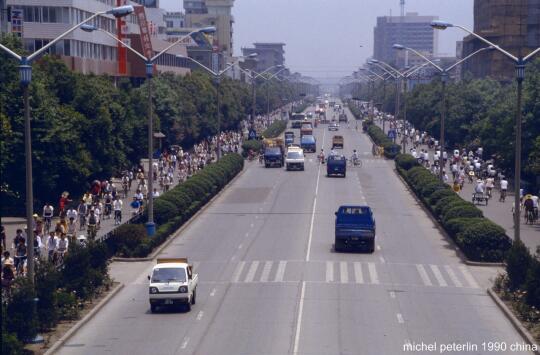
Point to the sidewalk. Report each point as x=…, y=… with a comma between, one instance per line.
x=498, y=212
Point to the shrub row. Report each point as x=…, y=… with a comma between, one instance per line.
x=275, y=129
x=175, y=207
x=59, y=294
x=391, y=150
x=523, y=273
x=255, y=144
x=478, y=238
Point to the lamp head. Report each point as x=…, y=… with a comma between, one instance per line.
x=373, y=61
x=121, y=11
x=208, y=30
x=88, y=28
x=441, y=25
x=399, y=47
x=253, y=55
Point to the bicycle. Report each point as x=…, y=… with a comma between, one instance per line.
x=502, y=197
x=48, y=221
x=59, y=259
x=19, y=262
x=117, y=217
x=356, y=162
x=92, y=231
x=125, y=188
x=529, y=217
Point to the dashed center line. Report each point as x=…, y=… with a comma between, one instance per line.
x=400, y=318
x=200, y=315
x=213, y=293
x=185, y=343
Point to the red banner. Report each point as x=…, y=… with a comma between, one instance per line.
x=146, y=41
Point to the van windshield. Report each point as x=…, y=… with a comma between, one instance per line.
x=169, y=275
x=294, y=155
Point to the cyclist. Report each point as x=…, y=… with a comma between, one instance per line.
x=504, y=188
x=82, y=210
x=71, y=228
x=51, y=245
x=20, y=258
x=48, y=212
x=63, y=244
x=528, y=205
x=71, y=213
x=321, y=156
x=108, y=205
x=117, y=206
x=489, y=185
x=93, y=221
x=125, y=185
x=354, y=158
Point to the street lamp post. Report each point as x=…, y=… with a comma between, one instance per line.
x=149, y=67
x=444, y=109
x=25, y=70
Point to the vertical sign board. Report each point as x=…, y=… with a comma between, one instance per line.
x=17, y=17
x=120, y=33
x=146, y=41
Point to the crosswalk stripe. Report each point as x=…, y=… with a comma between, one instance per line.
x=423, y=275
x=453, y=276
x=470, y=279
x=438, y=276
x=329, y=271
x=373, y=273
x=266, y=271
x=280, y=271
x=251, y=272
x=344, y=272
x=238, y=271
x=358, y=272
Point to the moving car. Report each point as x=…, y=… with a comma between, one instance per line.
x=334, y=126
x=355, y=228
x=336, y=165
x=343, y=117
x=172, y=283
x=337, y=142
x=308, y=143
x=294, y=159
x=289, y=137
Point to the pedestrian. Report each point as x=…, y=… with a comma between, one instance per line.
x=3, y=237
x=18, y=239
x=51, y=246
x=117, y=206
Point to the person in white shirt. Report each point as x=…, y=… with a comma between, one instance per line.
x=51, y=245
x=504, y=188
x=479, y=187
x=71, y=213
x=63, y=245
x=117, y=207
x=489, y=185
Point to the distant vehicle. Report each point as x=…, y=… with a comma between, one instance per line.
x=308, y=143
x=289, y=137
x=332, y=103
x=310, y=114
x=337, y=142
x=297, y=119
x=172, y=283
x=334, y=126
x=343, y=118
x=355, y=228
x=294, y=159
x=306, y=129
x=336, y=165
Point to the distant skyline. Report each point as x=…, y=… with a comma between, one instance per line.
x=323, y=37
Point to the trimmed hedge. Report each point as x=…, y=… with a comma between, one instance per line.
x=254, y=144
x=391, y=150
x=175, y=207
x=479, y=238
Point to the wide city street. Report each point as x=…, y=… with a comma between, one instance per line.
x=270, y=281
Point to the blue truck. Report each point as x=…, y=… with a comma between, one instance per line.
x=273, y=156
x=308, y=143
x=355, y=229
x=289, y=138
x=336, y=165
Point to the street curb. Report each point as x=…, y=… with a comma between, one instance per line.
x=513, y=319
x=60, y=342
x=173, y=236
x=443, y=231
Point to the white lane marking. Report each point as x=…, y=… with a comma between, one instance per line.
x=438, y=276
x=378, y=247
x=238, y=271
x=299, y=319
x=314, y=207
x=266, y=271
x=470, y=279
x=251, y=272
x=358, y=272
x=280, y=271
x=200, y=315
x=382, y=259
x=329, y=271
x=453, y=276
x=400, y=318
x=185, y=343
x=240, y=246
x=423, y=275
x=373, y=273
x=344, y=272
x=392, y=294
x=213, y=293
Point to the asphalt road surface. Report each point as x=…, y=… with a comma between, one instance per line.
x=270, y=282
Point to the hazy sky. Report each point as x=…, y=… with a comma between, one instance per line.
x=323, y=37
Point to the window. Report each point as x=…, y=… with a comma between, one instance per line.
x=67, y=47
x=170, y=24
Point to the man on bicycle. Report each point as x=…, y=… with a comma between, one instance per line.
x=48, y=212
x=63, y=244
x=117, y=206
x=51, y=245
x=528, y=205
x=93, y=221
x=504, y=188
x=354, y=157
x=108, y=205
x=82, y=210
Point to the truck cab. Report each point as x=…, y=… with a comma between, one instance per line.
x=306, y=129
x=308, y=143
x=172, y=282
x=355, y=228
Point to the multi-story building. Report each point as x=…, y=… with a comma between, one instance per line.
x=411, y=30
x=218, y=13
x=514, y=25
x=268, y=54
x=93, y=52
